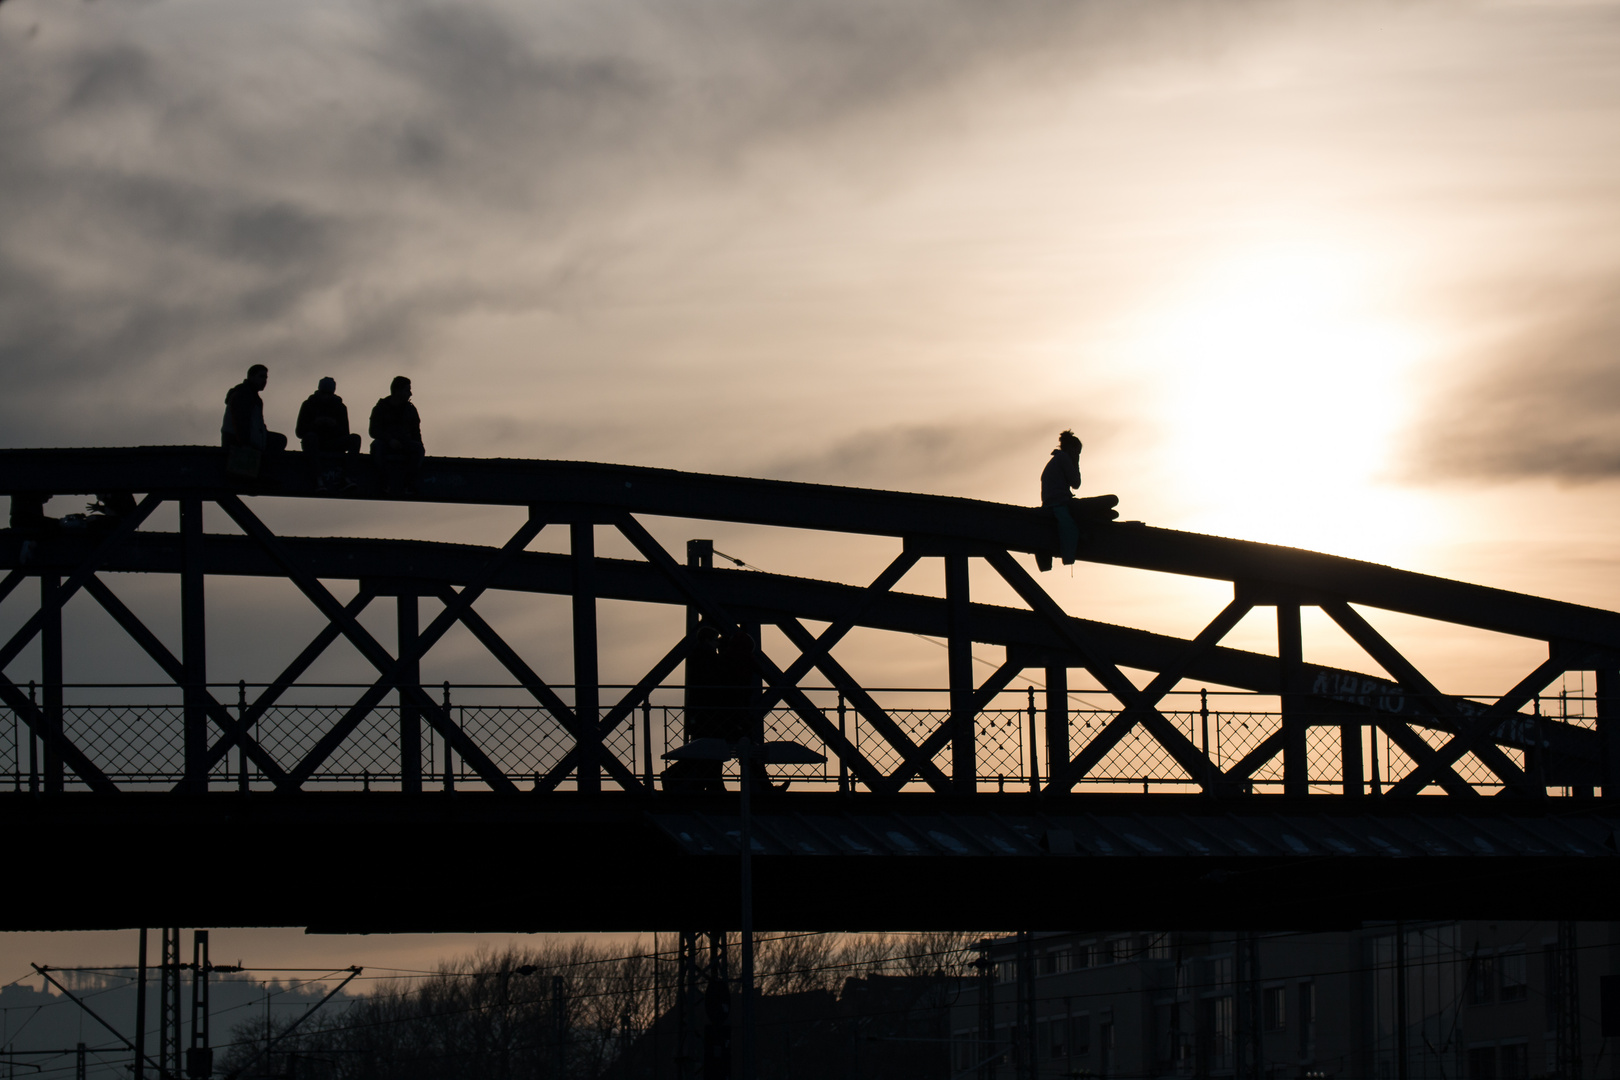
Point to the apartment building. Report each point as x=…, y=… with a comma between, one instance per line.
x=1412, y=1001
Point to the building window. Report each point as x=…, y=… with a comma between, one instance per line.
x=1083, y=956
x=964, y=1044
x=1105, y=1048
x=1164, y=1037
x=1159, y=947
x=1053, y=1038
x=1513, y=1061
x=1482, y=1063
x=1217, y=1034
x=1218, y=972
x=1274, y=1007
x=1062, y=960
x=1307, y=1019
x=1080, y=1035
x=1482, y=981
x=1105, y=952
x=1512, y=978
x=1048, y=964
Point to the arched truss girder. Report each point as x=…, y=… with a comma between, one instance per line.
x=582, y=495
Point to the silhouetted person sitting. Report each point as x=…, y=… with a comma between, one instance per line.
x=28, y=510
x=323, y=430
x=243, y=425
x=1060, y=477
x=396, y=438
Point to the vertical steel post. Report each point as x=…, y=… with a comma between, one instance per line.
x=745, y=1016
x=1567, y=1005
x=1246, y=976
x=199, y=1058
x=410, y=717
x=843, y=729
x=80, y=1071
x=559, y=1026
x=1034, y=745
x=1607, y=689
x=1028, y=1067
x=646, y=742
x=688, y=1006
x=241, y=750
x=1375, y=785
x=1351, y=765
x=587, y=694
x=449, y=751
x=699, y=556
x=139, y=1071
x=50, y=676
x=169, y=1020
x=1203, y=724
x=987, y=1011
x=959, y=662
x=1057, y=718
x=193, y=643
x=1400, y=1001
x=1296, y=741
x=33, y=743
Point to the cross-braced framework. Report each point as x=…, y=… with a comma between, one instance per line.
x=1323, y=733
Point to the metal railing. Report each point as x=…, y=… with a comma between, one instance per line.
x=141, y=744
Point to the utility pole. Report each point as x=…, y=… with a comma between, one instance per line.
x=1246, y=976
x=1567, y=1004
x=200, y=1055
x=1400, y=1001
x=559, y=1027
x=1026, y=1005
x=169, y=1018
x=140, y=1011
x=987, y=1011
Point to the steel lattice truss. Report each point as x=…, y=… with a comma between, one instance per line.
x=1435, y=731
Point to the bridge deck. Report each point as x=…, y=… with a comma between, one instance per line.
x=391, y=863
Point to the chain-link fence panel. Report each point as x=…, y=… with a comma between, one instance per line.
x=130, y=743
x=143, y=744
x=520, y=740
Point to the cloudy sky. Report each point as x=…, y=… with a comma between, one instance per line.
x=1341, y=275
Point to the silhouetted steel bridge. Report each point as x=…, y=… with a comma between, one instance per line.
x=1291, y=793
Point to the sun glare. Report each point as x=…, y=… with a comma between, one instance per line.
x=1282, y=390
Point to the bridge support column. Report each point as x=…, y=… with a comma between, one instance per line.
x=1295, y=724
x=50, y=675
x=959, y=662
x=193, y=644
x=587, y=704
x=410, y=717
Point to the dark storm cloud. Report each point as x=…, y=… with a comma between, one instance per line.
x=1543, y=404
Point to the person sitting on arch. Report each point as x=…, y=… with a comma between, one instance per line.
x=323, y=430
x=243, y=425
x=1058, y=480
x=396, y=438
